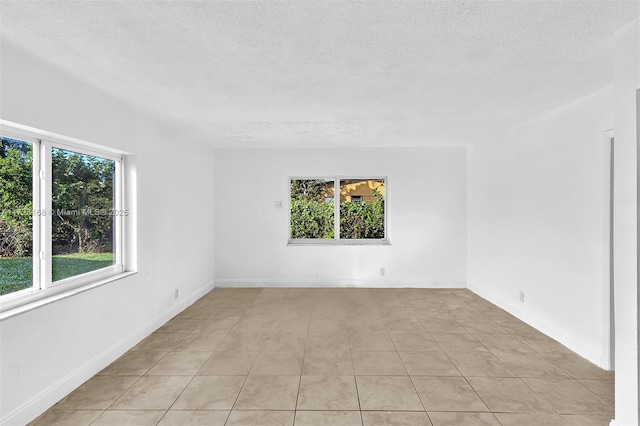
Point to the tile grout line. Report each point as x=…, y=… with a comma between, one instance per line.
x=355, y=380
x=304, y=355
x=469, y=383
x=407, y=371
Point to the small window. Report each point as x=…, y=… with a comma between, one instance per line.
x=356, y=215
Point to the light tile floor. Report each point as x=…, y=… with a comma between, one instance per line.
x=317, y=357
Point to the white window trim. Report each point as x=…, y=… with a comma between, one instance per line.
x=337, y=241
x=43, y=290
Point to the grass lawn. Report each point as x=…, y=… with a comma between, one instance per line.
x=16, y=273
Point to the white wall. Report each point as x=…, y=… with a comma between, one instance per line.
x=47, y=352
x=627, y=81
x=426, y=206
x=536, y=221
x=537, y=215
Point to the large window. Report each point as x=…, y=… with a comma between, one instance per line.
x=61, y=214
x=356, y=215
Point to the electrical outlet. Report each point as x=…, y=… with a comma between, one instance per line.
x=521, y=296
x=278, y=204
x=382, y=271
x=176, y=293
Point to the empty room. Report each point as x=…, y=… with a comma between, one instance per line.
x=319, y=213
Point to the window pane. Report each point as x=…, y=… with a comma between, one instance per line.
x=312, y=208
x=16, y=215
x=82, y=219
x=362, y=208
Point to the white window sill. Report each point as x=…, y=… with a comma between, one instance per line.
x=334, y=242
x=36, y=299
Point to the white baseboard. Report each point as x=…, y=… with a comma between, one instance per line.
x=315, y=282
x=552, y=330
x=614, y=423
x=48, y=397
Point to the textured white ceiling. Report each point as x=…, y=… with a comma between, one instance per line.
x=317, y=73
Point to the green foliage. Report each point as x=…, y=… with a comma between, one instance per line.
x=311, y=215
x=82, y=200
x=309, y=189
x=311, y=219
x=363, y=220
x=16, y=205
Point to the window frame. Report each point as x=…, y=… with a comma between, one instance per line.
x=44, y=290
x=336, y=240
